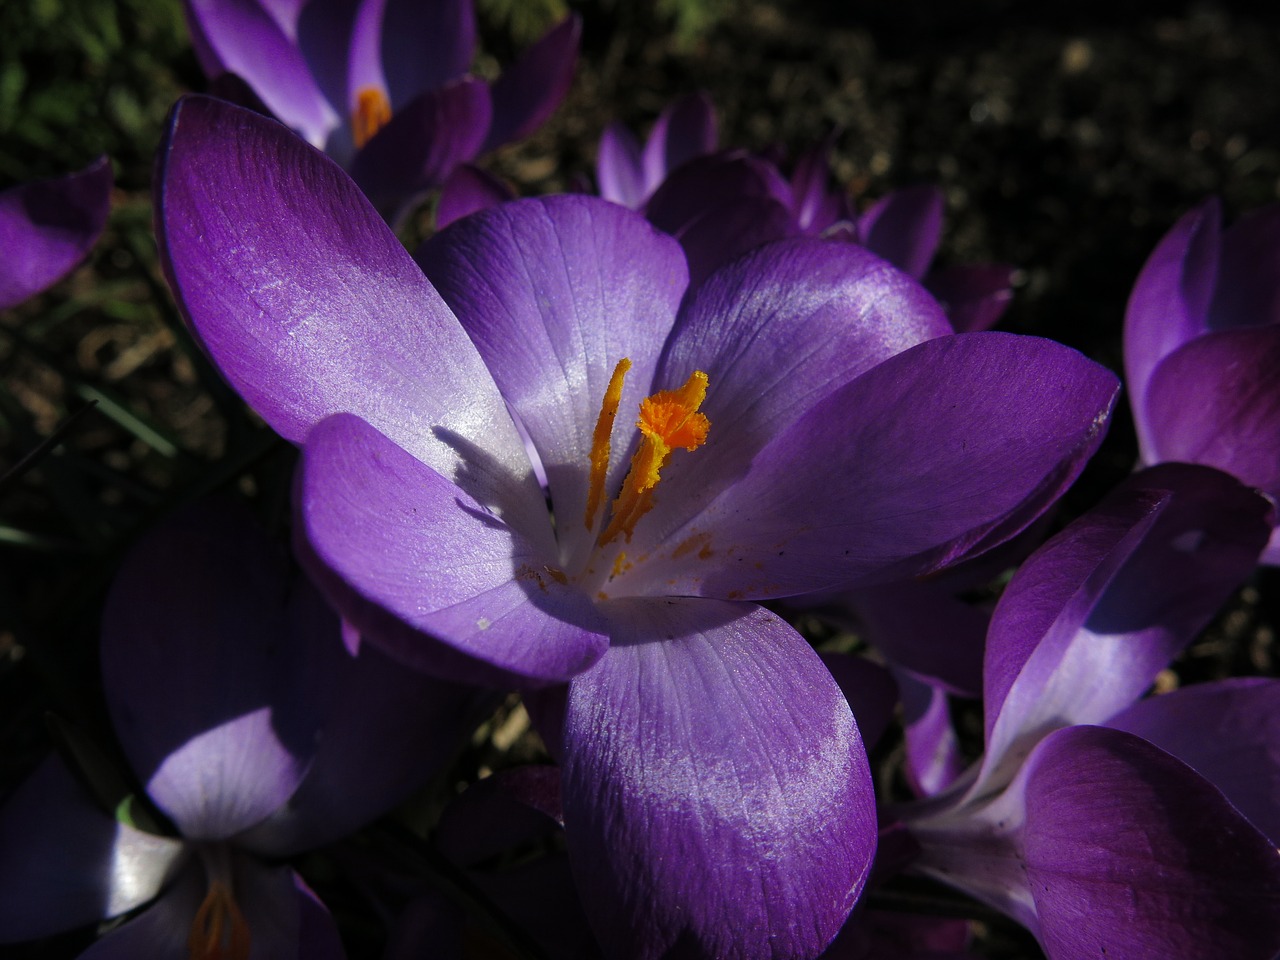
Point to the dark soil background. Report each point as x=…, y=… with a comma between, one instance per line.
x=1068, y=139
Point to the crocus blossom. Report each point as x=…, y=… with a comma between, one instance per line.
x=48, y=226
x=1097, y=822
x=805, y=421
x=1202, y=346
x=722, y=204
x=253, y=729
x=382, y=85
x=627, y=173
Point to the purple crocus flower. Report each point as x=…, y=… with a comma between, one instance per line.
x=381, y=85
x=48, y=226
x=628, y=173
x=1105, y=826
x=805, y=421
x=255, y=731
x=1202, y=346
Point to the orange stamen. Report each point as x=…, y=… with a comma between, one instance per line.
x=219, y=930
x=600, y=448
x=372, y=112
x=668, y=419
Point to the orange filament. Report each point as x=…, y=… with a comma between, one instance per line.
x=668, y=419
x=372, y=112
x=600, y=439
x=219, y=931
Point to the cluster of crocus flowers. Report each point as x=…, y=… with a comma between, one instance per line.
x=1106, y=825
x=255, y=731
x=716, y=791
x=383, y=86
x=1202, y=346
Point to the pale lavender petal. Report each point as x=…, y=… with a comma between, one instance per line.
x=871, y=691
x=456, y=578
x=48, y=226
x=684, y=130
x=717, y=796
x=241, y=37
x=310, y=306
x=554, y=292
x=161, y=931
x=618, y=171
x=944, y=450
x=1130, y=853
x=1123, y=590
x=1229, y=732
x=529, y=90
x=67, y=863
x=1216, y=401
x=974, y=296
x=933, y=759
x=1248, y=290
x=904, y=227
x=467, y=190
x=421, y=145
x=1169, y=304
x=194, y=640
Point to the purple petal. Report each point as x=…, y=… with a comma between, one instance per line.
x=943, y=450
x=285, y=918
x=467, y=190
x=870, y=690
x=421, y=145
x=776, y=331
x=815, y=207
x=1095, y=614
x=241, y=37
x=159, y=932
x=513, y=807
x=410, y=542
x=721, y=206
x=933, y=750
x=529, y=90
x=1130, y=853
x=48, y=226
x=1170, y=302
x=717, y=796
x=310, y=306
x=554, y=292
x=194, y=640
x=408, y=48
x=684, y=130
x=388, y=731
x=974, y=296
x=904, y=227
x=1229, y=732
x=1216, y=401
x=1248, y=289
x=67, y=863
x=618, y=170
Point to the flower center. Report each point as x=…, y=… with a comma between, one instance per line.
x=669, y=419
x=219, y=931
x=372, y=112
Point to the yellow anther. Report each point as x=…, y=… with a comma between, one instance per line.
x=600, y=448
x=668, y=419
x=219, y=930
x=372, y=112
